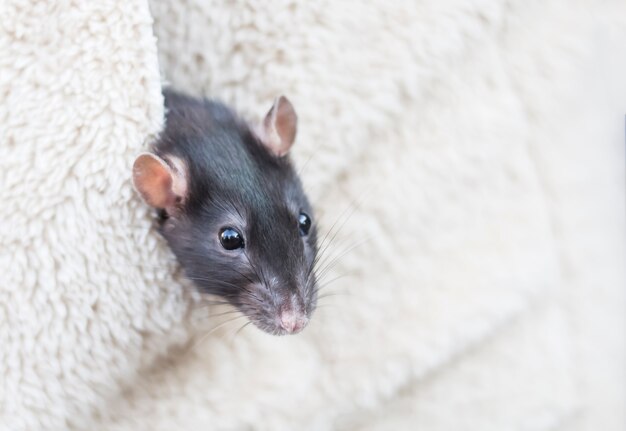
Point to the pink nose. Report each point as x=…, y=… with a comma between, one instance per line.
x=292, y=322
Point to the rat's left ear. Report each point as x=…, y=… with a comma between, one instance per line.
x=278, y=131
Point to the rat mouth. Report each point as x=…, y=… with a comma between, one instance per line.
x=285, y=324
x=275, y=309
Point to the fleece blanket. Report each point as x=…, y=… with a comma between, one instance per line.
x=468, y=153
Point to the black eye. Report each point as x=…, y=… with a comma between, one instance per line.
x=304, y=223
x=230, y=238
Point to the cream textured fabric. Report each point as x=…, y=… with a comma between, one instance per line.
x=472, y=150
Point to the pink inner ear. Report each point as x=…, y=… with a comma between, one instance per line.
x=286, y=122
x=280, y=126
x=153, y=179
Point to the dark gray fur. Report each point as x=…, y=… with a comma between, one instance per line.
x=233, y=180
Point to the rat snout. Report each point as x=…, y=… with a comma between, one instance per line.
x=274, y=310
x=292, y=321
x=291, y=315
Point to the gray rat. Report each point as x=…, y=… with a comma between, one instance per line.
x=233, y=210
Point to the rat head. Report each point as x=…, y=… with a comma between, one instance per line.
x=233, y=210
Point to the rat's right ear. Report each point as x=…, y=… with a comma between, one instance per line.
x=160, y=185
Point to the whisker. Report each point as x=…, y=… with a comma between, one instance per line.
x=350, y=209
x=325, y=284
x=145, y=265
x=206, y=303
x=327, y=295
x=243, y=275
x=226, y=313
x=241, y=329
x=321, y=272
x=251, y=293
x=301, y=169
x=215, y=281
x=259, y=273
x=212, y=330
x=325, y=306
x=324, y=246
